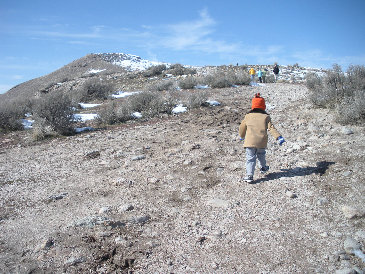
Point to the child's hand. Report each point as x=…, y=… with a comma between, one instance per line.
x=281, y=140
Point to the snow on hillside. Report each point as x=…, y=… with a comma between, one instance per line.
x=129, y=61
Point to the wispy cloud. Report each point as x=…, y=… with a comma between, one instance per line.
x=196, y=35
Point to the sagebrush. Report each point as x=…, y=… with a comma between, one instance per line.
x=343, y=92
x=54, y=112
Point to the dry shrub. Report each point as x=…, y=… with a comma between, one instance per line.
x=95, y=89
x=188, y=83
x=343, y=92
x=178, y=70
x=154, y=70
x=54, y=112
x=197, y=99
x=114, y=113
x=162, y=85
x=149, y=103
x=11, y=111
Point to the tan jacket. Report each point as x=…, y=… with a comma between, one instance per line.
x=254, y=129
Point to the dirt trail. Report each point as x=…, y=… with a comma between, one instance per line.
x=167, y=196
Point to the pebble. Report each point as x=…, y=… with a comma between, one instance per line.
x=291, y=194
x=105, y=209
x=218, y=203
x=346, y=271
x=352, y=213
x=126, y=207
x=351, y=245
x=141, y=220
x=322, y=201
x=91, y=221
x=75, y=260
x=138, y=157
x=347, y=131
x=57, y=196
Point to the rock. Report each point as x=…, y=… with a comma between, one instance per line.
x=126, y=207
x=352, y=213
x=361, y=234
x=91, y=221
x=57, y=197
x=347, y=173
x=140, y=220
x=322, y=201
x=74, y=261
x=45, y=245
x=346, y=271
x=351, y=245
x=218, y=203
x=121, y=241
x=92, y=154
x=105, y=209
x=138, y=157
x=347, y=131
x=291, y=194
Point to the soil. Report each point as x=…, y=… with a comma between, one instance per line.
x=167, y=196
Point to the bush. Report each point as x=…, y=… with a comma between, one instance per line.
x=148, y=103
x=54, y=112
x=188, y=83
x=95, y=89
x=10, y=114
x=154, y=71
x=343, y=92
x=114, y=113
x=351, y=110
x=161, y=86
x=178, y=70
x=197, y=99
x=218, y=80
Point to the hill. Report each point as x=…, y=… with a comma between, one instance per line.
x=166, y=196
x=88, y=67
x=124, y=71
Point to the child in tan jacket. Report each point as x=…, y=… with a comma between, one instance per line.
x=253, y=130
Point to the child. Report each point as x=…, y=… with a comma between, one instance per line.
x=253, y=130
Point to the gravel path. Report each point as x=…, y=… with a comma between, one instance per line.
x=167, y=196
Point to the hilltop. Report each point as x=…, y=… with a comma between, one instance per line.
x=165, y=195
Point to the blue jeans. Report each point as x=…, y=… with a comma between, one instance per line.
x=251, y=155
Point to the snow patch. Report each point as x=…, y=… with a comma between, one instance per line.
x=83, y=105
x=213, y=103
x=95, y=71
x=27, y=124
x=85, y=117
x=122, y=94
x=179, y=109
x=137, y=115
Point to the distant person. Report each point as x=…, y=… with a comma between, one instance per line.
x=252, y=73
x=264, y=75
x=259, y=75
x=253, y=130
x=276, y=71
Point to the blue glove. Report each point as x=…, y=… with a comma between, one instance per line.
x=281, y=140
x=242, y=139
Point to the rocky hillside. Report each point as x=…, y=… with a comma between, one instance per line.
x=123, y=70
x=166, y=195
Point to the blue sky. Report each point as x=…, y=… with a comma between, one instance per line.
x=40, y=36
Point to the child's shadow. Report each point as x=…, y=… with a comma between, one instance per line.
x=320, y=169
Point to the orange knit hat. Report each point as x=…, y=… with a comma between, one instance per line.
x=258, y=102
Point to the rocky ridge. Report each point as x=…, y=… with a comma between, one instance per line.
x=166, y=195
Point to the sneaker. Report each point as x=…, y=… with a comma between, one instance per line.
x=248, y=179
x=264, y=169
